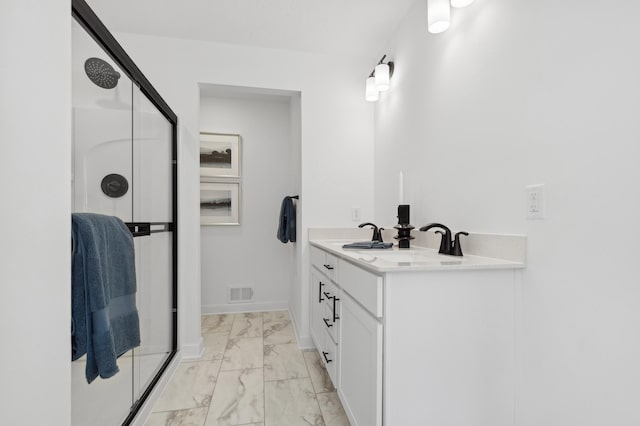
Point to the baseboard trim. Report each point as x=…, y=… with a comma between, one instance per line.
x=304, y=342
x=236, y=308
x=192, y=352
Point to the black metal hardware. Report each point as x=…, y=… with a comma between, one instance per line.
x=335, y=316
x=404, y=228
x=377, y=232
x=390, y=63
x=329, y=267
x=452, y=248
x=327, y=295
x=326, y=322
x=457, y=248
x=141, y=229
x=327, y=360
x=320, y=299
x=295, y=197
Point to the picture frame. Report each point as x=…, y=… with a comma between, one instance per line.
x=220, y=203
x=220, y=155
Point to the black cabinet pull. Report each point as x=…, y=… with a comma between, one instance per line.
x=327, y=295
x=320, y=299
x=329, y=267
x=327, y=360
x=326, y=322
x=335, y=315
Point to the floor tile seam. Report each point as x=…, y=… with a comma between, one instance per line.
x=309, y=373
x=313, y=386
x=240, y=338
x=290, y=378
x=214, y=388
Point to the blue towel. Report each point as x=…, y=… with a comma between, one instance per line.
x=287, y=222
x=105, y=321
x=368, y=245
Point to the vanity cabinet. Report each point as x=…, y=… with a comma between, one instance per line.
x=414, y=348
x=348, y=334
x=325, y=310
x=360, y=382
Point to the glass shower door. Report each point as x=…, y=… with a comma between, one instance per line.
x=152, y=203
x=102, y=178
x=124, y=166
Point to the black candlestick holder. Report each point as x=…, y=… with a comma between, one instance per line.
x=404, y=228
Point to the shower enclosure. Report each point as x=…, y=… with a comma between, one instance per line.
x=124, y=165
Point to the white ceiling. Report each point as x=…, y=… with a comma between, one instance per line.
x=351, y=27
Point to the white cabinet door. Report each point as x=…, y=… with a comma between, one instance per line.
x=360, y=373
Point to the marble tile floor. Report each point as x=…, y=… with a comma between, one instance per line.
x=252, y=374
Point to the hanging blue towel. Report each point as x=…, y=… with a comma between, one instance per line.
x=105, y=321
x=287, y=222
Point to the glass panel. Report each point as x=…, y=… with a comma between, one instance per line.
x=101, y=183
x=152, y=159
x=154, y=300
x=102, y=163
x=152, y=162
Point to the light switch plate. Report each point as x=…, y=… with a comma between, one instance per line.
x=355, y=214
x=535, y=202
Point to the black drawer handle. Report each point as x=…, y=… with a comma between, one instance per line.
x=320, y=299
x=326, y=322
x=327, y=360
x=327, y=295
x=335, y=314
x=329, y=267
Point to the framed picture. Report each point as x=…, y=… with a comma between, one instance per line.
x=220, y=203
x=220, y=155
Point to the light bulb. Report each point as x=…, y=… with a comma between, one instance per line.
x=439, y=15
x=371, y=93
x=382, y=77
x=460, y=3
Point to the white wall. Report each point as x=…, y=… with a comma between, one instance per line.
x=516, y=93
x=250, y=255
x=35, y=289
x=336, y=135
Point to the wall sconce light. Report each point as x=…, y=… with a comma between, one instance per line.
x=439, y=15
x=378, y=80
x=371, y=94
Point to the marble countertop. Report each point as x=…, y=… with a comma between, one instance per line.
x=414, y=259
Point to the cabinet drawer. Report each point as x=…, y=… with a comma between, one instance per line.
x=325, y=262
x=329, y=356
x=330, y=321
x=363, y=286
x=330, y=290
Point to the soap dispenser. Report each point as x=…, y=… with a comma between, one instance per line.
x=404, y=227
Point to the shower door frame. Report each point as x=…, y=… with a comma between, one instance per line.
x=83, y=14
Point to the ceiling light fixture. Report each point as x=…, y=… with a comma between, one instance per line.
x=439, y=15
x=378, y=80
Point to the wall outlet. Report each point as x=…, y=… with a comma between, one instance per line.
x=535, y=201
x=355, y=214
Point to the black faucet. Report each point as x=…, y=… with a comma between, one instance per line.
x=377, y=232
x=452, y=248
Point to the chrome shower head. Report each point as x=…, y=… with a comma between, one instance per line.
x=101, y=73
